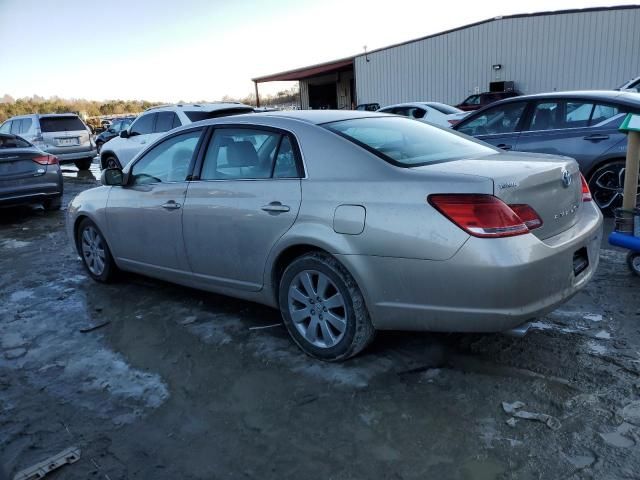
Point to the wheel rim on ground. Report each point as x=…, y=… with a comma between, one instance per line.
x=318, y=310
x=635, y=263
x=607, y=186
x=93, y=250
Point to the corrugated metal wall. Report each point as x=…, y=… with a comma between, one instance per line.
x=580, y=50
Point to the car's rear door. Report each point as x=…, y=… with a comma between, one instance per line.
x=498, y=125
x=145, y=217
x=247, y=195
x=581, y=129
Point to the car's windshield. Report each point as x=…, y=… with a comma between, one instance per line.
x=408, y=143
x=443, y=108
x=11, y=141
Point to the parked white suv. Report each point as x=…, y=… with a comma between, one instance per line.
x=61, y=134
x=151, y=124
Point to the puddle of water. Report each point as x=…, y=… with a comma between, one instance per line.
x=12, y=243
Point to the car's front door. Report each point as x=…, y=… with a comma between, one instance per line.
x=246, y=197
x=499, y=125
x=144, y=217
x=581, y=129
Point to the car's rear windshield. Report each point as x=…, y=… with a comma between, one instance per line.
x=197, y=115
x=11, y=141
x=61, y=124
x=408, y=143
x=443, y=108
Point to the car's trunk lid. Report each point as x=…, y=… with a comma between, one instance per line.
x=18, y=163
x=64, y=134
x=536, y=180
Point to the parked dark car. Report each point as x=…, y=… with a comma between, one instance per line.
x=583, y=125
x=479, y=100
x=28, y=175
x=113, y=130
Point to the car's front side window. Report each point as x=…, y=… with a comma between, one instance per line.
x=143, y=125
x=167, y=162
x=246, y=153
x=500, y=119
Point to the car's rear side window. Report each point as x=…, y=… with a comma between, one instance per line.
x=406, y=143
x=61, y=124
x=10, y=141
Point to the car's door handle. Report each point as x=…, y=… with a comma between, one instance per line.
x=596, y=137
x=504, y=146
x=171, y=205
x=276, y=207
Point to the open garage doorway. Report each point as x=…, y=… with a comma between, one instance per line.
x=323, y=97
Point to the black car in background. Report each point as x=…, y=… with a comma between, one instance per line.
x=28, y=175
x=113, y=130
x=582, y=125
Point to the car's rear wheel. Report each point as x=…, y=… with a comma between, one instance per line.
x=99, y=145
x=607, y=186
x=94, y=251
x=323, y=308
x=633, y=260
x=111, y=161
x=83, y=164
x=52, y=203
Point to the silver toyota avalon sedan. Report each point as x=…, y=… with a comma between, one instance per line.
x=348, y=222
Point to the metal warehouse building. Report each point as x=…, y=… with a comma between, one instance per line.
x=596, y=48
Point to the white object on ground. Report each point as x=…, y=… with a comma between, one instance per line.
x=514, y=409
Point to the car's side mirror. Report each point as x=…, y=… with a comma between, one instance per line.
x=124, y=134
x=112, y=177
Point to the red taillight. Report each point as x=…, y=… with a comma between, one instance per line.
x=46, y=159
x=528, y=215
x=586, y=193
x=480, y=215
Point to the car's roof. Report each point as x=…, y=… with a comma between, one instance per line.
x=204, y=107
x=582, y=94
x=318, y=117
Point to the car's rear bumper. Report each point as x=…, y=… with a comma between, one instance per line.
x=488, y=285
x=72, y=156
x=33, y=189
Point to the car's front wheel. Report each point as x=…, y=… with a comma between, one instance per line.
x=633, y=260
x=607, y=186
x=110, y=161
x=323, y=308
x=95, y=252
x=52, y=203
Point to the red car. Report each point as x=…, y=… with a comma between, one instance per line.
x=479, y=100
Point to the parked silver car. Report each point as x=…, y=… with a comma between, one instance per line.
x=64, y=135
x=347, y=222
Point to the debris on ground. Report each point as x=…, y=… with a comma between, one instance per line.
x=39, y=470
x=266, y=326
x=95, y=327
x=513, y=409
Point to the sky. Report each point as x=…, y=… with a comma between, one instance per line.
x=192, y=50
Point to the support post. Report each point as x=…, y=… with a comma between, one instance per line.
x=257, y=95
x=631, y=171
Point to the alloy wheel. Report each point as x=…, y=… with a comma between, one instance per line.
x=317, y=308
x=93, y=250
x=607, y=186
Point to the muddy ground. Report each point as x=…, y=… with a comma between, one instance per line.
x=182, y=385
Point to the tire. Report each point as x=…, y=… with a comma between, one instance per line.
x=606, y=184
x=89, y=235
x=99, y=146
x=52, y=204
x=83, y=164
x=333, y=326
x=111, y=161
x=633, y=260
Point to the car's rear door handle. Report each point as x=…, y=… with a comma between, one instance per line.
x=276, y=207
x=504, y=146
x=596, y=137
x=171, y=205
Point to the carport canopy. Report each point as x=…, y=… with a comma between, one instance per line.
x=304, y=73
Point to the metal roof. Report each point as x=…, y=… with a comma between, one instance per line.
x=306, y=72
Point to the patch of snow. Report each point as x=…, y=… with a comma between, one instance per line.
x=596, y=348
x=603, y=334
x=20, y=295
x=593, y=317
x=12, y=243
